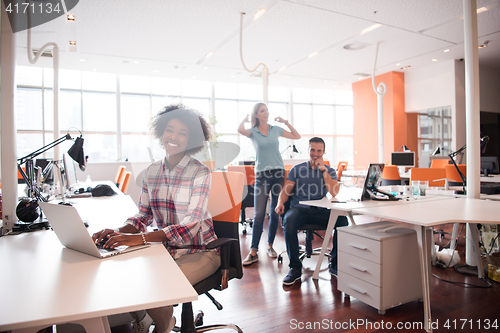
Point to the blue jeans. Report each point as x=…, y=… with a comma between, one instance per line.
x=266, y=182
x=299, y=216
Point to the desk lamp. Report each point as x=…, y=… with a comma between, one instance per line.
x=484, y=143
x=294, y=149
x=26, y=210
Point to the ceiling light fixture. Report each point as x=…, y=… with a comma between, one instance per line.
x=373, y=27
x=82, y=60
x=447, y=50
x=209, y=54
x=398, y=64
x=434, y=59
x=72, y=43
x=405, y=67
x=70, y=18
x=354, y=46
x=282, y=69
x=259, y=13
x=485, y=44
x=313, y=54
x=482, y=9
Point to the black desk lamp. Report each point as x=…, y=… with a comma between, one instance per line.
x=403, y=148
x=26, y=210
x=294, y=149
x=484, y=143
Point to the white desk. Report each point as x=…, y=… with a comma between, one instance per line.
x=490, y=179
x=422, y=215
x=45, y=283
x=345, y=208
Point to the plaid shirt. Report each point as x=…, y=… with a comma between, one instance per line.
x=176, y=200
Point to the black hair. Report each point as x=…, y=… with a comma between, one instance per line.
x=199, y=130
x=317, y=140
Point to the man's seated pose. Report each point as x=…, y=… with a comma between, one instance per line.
x=310, y=180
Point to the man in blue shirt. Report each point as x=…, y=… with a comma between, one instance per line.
x=310, y=180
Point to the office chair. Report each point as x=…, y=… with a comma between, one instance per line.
x=306, y=250
x=390, y=175
x=439, y=163
x=453, y=175
x=248, y=192
x=126, y=180
x=435, y=176
x=120, y=174
x=224, y=203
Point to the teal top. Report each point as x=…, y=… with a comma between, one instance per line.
x=267, y=152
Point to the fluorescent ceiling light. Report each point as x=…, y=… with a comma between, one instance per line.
x=259, y=13
x=434, y=59
x=209, y=54
x=70, y=18
x=72, y=43
x=447, y=50
x=313, y=54
x=373, y=27
x=482, y=9
x=282, y=69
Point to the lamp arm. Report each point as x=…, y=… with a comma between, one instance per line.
x=42, y=150
x=456, y=167
x=285, y=149
x=457, y=152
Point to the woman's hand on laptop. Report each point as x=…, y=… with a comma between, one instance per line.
x=105, y=234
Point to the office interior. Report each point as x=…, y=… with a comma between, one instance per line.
x=320, y=56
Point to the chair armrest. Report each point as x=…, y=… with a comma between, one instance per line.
x=220, y=242
x=225, y=250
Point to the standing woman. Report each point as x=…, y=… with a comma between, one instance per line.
x=269, y=173
x=174, y=196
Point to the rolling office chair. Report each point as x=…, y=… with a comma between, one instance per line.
x=453, y=175
x=439, y=163
x=390, y=175
x=224, y=203
x=120, y=174
x=306, y=250
x=435, y=176
x=126, y=180
x=248, y=194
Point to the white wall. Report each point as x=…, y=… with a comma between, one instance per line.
x=430, y=87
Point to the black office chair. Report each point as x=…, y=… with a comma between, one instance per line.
x=306, y=250
x=224, y=205
x=246, y=203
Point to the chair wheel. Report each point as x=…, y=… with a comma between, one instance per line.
x=198, y=318
x=280, y=259
x=244, y=231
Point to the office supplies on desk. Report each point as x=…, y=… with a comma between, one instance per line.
x=72, y=233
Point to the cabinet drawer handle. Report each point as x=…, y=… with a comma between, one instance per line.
x=360, y=247
x=361, y=269
x=361, y=291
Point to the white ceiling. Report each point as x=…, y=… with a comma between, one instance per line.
x=171, y=38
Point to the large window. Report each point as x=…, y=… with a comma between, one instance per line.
x=113, y=112
x=434, y=130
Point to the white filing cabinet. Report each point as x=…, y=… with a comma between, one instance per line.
x=379, y=268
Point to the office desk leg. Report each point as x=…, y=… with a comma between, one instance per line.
x=475, y=247
x=424, y=237
x=94, y=325
x=328, y=234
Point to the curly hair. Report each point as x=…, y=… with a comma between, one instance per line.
x=199, y=130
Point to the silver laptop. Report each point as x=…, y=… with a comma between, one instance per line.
x=72, y=233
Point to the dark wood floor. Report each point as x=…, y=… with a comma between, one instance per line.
x=260, y=303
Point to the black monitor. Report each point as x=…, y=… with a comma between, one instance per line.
x=372, y=182
x=490, y=163
x=47, y=171
x=403, y=159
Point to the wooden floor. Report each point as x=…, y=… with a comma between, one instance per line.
x=260, y=303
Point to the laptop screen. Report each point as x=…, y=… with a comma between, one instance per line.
x=373, y=179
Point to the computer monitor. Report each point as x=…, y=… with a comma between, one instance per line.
x=403, y=159
x=490, y=163
x=70, y=177
x=47, y=169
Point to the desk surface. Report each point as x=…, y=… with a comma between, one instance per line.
x=70, y=285
x=435, y=212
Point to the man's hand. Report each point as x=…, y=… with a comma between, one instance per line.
x=320, y=163
x=280, y=208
